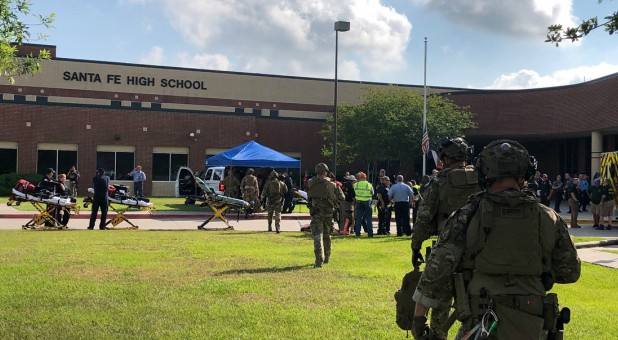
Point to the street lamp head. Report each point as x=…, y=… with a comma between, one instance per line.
x=342, y=26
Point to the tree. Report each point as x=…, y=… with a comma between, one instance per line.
x=387, y=125
x=13, y=33
x=555, y=33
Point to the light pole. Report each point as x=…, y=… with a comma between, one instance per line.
x=340, y=26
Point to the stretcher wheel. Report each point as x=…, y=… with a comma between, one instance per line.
x=9, y=203
x=85, y=205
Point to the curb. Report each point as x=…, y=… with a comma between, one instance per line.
x=595, y=244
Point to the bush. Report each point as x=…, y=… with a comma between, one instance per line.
x=7, y=181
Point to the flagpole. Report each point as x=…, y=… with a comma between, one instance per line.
x=425, y=107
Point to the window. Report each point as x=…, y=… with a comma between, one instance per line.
x=117, y=164
x=9, y=160
x=56, y=156
x=167, y=161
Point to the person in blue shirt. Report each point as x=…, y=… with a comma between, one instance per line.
x=139, y=177
x=403, y=196
x=583, y=185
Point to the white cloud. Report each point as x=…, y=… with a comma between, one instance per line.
x=519, y=19
x=296, y=37
x=204, y=61
x=524, y=79
x=155, y=56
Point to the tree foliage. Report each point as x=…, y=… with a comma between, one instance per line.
x=387, y=125
x=14, y=32
x=555, y=33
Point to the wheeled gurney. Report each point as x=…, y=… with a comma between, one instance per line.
x=218, y=203
x=45, y=219
x=120, y=202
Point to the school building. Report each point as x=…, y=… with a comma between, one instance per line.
x=115, y=115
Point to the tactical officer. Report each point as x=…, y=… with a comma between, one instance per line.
x=506, y=251
x=445, y=193
x=273, y=192
x=323, y=197
x=232, y=184
x=251, y=190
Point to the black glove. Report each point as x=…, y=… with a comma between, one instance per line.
x=417, y=258
x=420, y=328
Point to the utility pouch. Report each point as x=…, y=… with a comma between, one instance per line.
x=462, y=303
x=515, y=325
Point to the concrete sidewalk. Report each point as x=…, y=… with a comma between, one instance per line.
x=11, y=218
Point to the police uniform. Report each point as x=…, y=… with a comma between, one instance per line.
x=273, y=193
x=511, y=250
x=323, y=196
x=445, y=194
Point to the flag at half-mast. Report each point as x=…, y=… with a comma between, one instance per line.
x=425, y=141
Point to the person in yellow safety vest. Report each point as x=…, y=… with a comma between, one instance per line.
x=364, y=193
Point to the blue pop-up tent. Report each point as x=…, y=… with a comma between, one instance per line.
x=252, y=154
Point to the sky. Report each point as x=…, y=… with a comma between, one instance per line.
x=480, y=44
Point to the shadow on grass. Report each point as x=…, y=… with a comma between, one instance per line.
x=263, y=270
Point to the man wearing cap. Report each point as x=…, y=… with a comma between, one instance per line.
x=48, y=182
x=346, y=221
x=364, y=193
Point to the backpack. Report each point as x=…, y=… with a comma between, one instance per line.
x=403, y=298
x=24, y=186
x=274, y=188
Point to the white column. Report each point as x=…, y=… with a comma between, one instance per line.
x=596, y=148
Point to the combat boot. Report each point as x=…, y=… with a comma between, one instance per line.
x=270, y=228
x=277, y=230
x=326, y=258
x=318, y=264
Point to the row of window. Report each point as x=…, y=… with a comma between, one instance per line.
x=116, y=164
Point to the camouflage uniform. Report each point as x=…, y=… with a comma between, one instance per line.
x=274, y=201
x=232, y=185
x=548, y=247
x=434, y=210
x=323, y=196
x=251, y=190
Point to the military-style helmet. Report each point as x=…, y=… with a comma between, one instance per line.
x=250, y=171
x=453, y=148
x=321, y=168
x=505, y=158
x=274, y=174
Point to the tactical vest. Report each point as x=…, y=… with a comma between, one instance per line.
x=454, y=188
x=362, y=189
x=321, y=194
x=508, y=238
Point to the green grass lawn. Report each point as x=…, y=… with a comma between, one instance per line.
x=222, y=285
